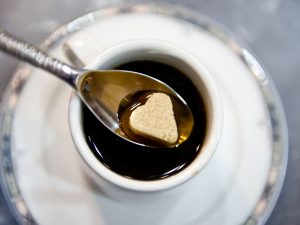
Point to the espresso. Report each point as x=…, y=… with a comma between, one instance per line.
x=141, y=162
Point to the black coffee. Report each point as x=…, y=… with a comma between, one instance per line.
x=144, y=163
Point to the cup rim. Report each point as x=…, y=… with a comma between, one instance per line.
x=208, y=148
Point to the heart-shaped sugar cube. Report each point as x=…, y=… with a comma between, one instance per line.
x=155, y=119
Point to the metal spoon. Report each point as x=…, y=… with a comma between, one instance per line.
x=102, y=91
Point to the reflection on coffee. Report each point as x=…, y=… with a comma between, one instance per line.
x=144, y=163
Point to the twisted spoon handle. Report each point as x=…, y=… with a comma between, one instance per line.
x=36, y=57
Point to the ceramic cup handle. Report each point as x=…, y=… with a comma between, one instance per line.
x=82, y=48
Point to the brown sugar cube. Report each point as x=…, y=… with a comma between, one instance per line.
x=155, y=119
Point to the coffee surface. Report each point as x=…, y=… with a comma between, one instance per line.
x=141, y=162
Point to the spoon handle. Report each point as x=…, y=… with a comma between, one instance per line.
x=38, y=58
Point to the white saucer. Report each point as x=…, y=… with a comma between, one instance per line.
x=240, y=185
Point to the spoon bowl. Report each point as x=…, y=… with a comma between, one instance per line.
x=106, y=93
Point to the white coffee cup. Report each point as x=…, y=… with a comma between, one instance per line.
x=116, y=185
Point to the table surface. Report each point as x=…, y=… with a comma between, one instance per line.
x=270, y=28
